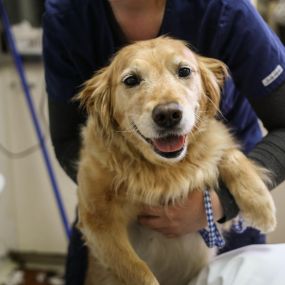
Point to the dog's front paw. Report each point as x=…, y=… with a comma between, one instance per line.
x=262, y=215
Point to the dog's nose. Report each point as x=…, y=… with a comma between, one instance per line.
x=167, y=115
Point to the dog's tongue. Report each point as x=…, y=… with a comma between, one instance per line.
x=169, y=144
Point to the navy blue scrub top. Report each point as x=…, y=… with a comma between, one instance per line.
x=80, y=38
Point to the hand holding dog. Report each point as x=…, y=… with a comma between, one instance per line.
x=181, y=219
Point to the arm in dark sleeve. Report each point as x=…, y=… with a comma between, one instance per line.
x=62, y=83
x=270, y=152
x=253, y=52
x=65, y=123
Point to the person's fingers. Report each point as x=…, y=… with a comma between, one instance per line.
x=217, y=206
x=152, y=211
x=167, y=213
x=180, y=219
x=171, y=235
x=152, y=222
x=159, y=225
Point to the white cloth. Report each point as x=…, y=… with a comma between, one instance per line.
x=251, y=265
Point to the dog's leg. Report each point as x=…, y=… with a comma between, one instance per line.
x=97, y=274
x=103, y=219
x=110, y=244
x=244, y=180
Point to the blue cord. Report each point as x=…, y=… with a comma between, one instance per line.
x=29, y=100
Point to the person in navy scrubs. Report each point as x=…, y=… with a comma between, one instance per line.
x=80, y=36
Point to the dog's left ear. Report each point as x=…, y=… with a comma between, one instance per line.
x=95, y=97
x=213, y=73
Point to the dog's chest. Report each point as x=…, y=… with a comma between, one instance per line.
x=173, y=261
x=155, y=184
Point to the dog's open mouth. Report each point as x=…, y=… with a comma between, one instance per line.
x=170, y=146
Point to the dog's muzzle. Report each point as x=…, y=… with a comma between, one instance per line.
x=167, y=146
x=167, y=117
x=169, y=143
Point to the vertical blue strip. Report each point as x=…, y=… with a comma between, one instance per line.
x=29, y=100
x=211, y=236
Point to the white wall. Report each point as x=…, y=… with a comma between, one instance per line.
x=7, y=211
x=30, y=218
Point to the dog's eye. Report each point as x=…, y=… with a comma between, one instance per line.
x=184, y=71
x=132, y=80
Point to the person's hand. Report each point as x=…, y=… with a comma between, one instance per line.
x=178, y=220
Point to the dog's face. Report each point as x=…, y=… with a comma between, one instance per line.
x=154, y=93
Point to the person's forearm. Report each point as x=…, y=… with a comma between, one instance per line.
x=228, y=203
x=270, y=153
x=66, y=120
x=67, y=154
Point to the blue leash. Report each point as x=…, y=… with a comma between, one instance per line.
x=211, y=235
x=29, y=100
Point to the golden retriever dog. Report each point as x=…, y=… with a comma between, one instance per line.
x=150, y=139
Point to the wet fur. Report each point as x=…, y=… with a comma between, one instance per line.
x=119, y=171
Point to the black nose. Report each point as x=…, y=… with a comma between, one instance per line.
x=167, y=115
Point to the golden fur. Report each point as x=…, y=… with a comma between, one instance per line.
x=119, y=170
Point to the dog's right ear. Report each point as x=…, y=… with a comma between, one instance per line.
x=95, y=97
x=94, y=90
